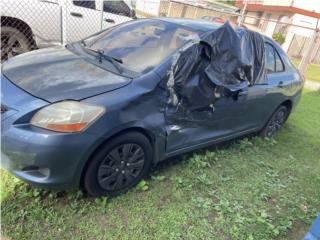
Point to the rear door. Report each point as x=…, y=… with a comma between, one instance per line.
x=262, y=99
x=115, y=12
x=83, y=19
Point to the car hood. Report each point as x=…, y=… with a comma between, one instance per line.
x=56, y=74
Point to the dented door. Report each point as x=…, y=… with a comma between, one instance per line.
x=225, y=118
x=213, y=88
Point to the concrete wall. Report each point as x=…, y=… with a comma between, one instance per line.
x=150, y=7
x=252, y=21
x=179, y=9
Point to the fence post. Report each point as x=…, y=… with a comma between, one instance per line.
x=243, y=12
x=169, y=10
x=307, y=57
x=316, y=49
x=195, y=13
x=101, y=22
x=63, y=22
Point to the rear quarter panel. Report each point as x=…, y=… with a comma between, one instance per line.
x=291, y=79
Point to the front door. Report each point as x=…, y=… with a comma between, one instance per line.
x=82, y=19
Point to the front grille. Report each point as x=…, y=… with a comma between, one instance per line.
x=3, y=109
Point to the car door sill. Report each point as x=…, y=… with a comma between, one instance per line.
x=210, y=142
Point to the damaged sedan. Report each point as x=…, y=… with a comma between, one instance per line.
x=98, y=113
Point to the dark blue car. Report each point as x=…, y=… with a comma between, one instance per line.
x=100, y=112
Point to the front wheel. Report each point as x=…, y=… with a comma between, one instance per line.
x=13, y=42
x=276, y=122
x=119, y=165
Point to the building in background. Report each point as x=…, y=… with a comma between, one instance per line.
x=182, y=8
x=304, y=13
x=294, y=20
x=148, y=8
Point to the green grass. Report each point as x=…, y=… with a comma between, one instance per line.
x=253, y=189
x=313, y=71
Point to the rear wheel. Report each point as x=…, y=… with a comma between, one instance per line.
x=276, y=122
x=119, y=165
x=13, y=42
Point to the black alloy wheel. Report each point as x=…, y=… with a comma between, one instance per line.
x=123, y=164
x=118, y=165
x=276, y=122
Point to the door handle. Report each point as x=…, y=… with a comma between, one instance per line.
x=108, y=20
x=79, y=15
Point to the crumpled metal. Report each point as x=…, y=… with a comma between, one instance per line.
x=220, y=63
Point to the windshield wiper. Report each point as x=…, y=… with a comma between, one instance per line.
x=115, y=61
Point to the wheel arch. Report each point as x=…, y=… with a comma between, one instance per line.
x=147, y=133
x=288, y=103
x=20, y=25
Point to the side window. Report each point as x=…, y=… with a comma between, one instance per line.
x=273, y=60
x=279, y=63
x=116, y=7
x=270, y=60
x=86, y=4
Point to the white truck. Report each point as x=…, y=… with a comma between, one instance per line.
x=30, y=24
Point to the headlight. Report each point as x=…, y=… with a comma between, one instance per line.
x=67, y=116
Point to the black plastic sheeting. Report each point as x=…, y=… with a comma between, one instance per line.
x=222, y=62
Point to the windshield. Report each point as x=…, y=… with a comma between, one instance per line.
x=141, y=45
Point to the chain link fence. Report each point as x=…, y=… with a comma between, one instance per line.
x=294, y=38
x=32, y=24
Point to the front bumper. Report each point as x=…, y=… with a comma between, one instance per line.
x=45, y=159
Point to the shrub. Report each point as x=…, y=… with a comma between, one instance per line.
x=278, y=37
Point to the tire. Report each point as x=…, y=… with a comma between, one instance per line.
x=276, y=122
x=118, y=165
x=13, y=43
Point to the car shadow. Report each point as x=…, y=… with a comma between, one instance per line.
x=172, y=161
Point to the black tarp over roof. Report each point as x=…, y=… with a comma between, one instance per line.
x=228, y=58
